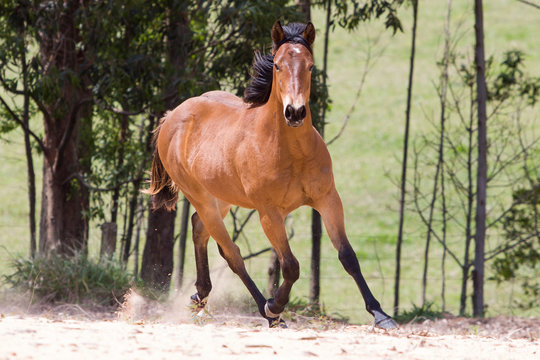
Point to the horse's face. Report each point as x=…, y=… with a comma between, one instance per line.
x=292, y=72
x=293, y=63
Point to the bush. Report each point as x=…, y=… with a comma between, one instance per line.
x=419, y=314
x=74, y=279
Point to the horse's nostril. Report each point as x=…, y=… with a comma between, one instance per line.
x=301, y=112
x=289, y=111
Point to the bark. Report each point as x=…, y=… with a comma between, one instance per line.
x=31, y=176
x=63, y=225
x=182, y=242
x=444, y=88
x=404, y=162
x=468, y=226
x=124, y=123
x=315, y=281
x=160, y=236
x=157, y=263
x=481, y=179
x=273, y=274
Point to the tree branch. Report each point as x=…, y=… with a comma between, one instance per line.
x=87, y=185
x=23, y=125
x=529, y=3
x=68, y=131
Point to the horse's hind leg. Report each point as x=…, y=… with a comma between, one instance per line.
x=209, y=215
x=200, y=243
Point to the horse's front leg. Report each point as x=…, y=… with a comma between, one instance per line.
x=273, y=225
x=331, y=210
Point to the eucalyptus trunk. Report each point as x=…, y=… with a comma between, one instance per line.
x=481, y=177
x=63, y=224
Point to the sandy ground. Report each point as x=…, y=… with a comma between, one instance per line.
x=137, y=332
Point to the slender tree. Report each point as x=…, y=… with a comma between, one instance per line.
x=405, y=157
x=481, y=177
x=14, y=54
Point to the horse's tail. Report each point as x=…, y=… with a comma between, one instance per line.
x=163, y=190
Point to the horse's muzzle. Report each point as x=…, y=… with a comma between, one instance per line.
x=295, y=116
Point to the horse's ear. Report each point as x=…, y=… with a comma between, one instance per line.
x=309, y=33
x=277, y=35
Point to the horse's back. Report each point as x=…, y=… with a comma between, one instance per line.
x=224, y=98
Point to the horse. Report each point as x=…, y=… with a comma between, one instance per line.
x=260, y=152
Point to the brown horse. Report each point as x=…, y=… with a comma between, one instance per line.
x=260, y=153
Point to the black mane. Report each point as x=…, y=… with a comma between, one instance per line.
x=260, y=85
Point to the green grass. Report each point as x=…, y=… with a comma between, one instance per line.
x=366, y=164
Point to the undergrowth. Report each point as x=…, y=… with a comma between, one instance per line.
x=76, y=279
x=298, y=307
x=419, y=314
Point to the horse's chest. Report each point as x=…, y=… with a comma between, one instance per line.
x=290, y=185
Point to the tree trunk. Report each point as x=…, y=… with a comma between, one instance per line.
x=404, y=162
x=315, y=281
x=161, y=222
x=157, y=263
x=63, y=225
x=273, y=274
x=481, y=182
x=31, y=175
x=182, y=242
x=470, y=208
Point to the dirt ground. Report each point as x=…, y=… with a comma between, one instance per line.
x=144, y=331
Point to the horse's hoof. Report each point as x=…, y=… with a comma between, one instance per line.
x=197, y=303
x=386, y=324
x=383, y=321
x=277, y=323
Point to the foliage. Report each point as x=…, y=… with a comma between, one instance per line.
x=522, y=232
x=350, y=14
x=318, y=98
x=76, y=279
x=512, y=95
x=419, y=314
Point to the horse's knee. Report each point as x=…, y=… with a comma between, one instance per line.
x=233, y=257
x=290, y=269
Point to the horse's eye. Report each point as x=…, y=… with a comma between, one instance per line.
x=277, y=67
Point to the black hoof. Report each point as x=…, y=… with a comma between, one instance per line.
x=276, y=323
x=197, y=304
x=383, y=321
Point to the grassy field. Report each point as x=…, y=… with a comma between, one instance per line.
x=366, y=161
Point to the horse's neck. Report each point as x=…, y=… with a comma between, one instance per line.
x=299, y=141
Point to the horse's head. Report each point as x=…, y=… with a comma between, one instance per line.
x=293, y=62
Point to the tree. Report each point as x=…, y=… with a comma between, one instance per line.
x=319, y=98
x=14, y=35
x=511, y=94
x=56, y=85
x=399, y=240
x=481, y=177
